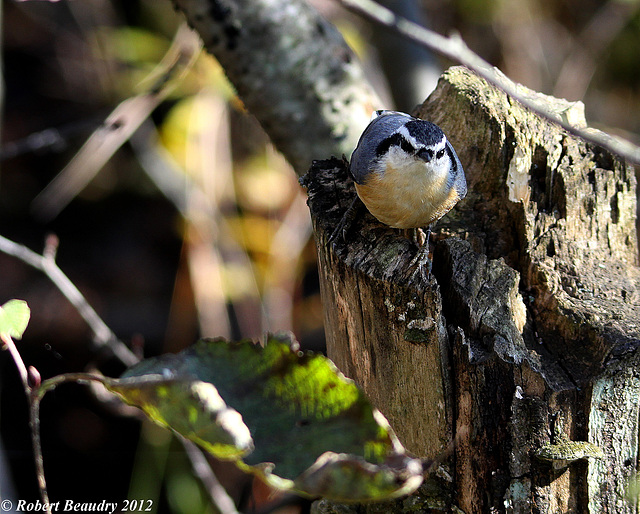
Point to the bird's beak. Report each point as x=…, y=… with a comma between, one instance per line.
x=425, y=154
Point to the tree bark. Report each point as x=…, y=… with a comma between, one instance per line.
x=292, y=69
x=521, y=347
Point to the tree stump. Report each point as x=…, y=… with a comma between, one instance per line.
x=520, y=351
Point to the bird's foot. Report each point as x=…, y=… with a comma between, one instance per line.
x=420, y=266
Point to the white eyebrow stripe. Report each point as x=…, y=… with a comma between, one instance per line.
x=441, y=145
x=405, y=133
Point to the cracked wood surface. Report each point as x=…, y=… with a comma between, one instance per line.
x=528, y=327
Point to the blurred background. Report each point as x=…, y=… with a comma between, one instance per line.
x=196, y=226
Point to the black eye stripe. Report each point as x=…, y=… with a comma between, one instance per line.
x=406, y=146
x=394, y=140
x=400, y=140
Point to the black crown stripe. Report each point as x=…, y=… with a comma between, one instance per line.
x=424, y=132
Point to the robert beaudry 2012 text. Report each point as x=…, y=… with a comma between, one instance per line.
x=67, y=506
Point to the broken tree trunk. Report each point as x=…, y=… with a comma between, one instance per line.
x=521, y=348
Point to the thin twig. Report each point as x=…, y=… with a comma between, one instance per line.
x=201, y=467
x=53, y=139
x=102, y=334
x=22, y=369
x=118, y=127
x=35, y=395
x=455, y=49
x=34, y=425
x=34, y=418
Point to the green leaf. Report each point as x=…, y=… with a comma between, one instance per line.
x=192, y=408
x=14, y=318
x=288, y=416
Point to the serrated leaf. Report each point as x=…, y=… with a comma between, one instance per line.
x=14, y=318
x=288, y=416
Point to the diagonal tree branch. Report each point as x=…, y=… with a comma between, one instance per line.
x=102, y=334
x=119, y=126
x=292, y=69
x=454, y=48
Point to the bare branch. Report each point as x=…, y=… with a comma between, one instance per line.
x=34, y=425
x=454, y=48
x=293, y=71
x=22, y=369
x=119, y=126
x=201, y=467
x=102, y=334
x=35, y=395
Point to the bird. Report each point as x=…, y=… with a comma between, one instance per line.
x=407, y=174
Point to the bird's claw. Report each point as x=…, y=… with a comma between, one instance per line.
x=420, y=266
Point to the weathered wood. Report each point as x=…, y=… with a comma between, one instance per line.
x=404, y=327
x=526, y=334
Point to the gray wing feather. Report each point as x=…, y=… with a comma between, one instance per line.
x=365, y=153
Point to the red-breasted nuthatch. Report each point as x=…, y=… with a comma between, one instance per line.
x=407, y=173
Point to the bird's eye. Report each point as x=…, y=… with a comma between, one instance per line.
x=426, y=154
x=440, y=154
